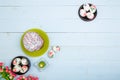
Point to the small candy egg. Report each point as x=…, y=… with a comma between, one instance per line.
x=51, y=54
x=56, y=48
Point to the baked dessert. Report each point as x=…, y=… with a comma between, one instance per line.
x=32, y=41
x=20, y=65
x=87, y=12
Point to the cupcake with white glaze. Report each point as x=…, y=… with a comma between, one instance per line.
x=16, y=68
x=24, y=61
x=24, y=69
x=16, y=61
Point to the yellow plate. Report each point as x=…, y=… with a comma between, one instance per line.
x=43, y=49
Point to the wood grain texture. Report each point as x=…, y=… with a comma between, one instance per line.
x=64, y=17
x=89, y=50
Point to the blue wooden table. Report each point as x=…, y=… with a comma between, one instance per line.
x=89, y=50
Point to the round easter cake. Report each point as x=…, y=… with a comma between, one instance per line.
x=32, y=41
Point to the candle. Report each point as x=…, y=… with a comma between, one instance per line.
x=42, y=64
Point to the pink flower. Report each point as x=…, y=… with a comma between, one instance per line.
x=36, y=78
x=22, y=78
x=14, y=75
x=6, y=70
x=18, y=79
x=1, y=70
x=7, y=67
x=30, y=77
x=1, y=63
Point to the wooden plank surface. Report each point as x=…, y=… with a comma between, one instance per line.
x=65, y=18
x=89, y=50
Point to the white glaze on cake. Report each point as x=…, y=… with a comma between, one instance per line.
x=86, y=7
x=90, y=15
x=82, y=12
x=24, y=68
x=16, y=68
x=16, y=61
x=32, y=41
x=24, y=61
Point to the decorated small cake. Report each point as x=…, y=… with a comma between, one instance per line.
x=51, y=54
x=87, y=12
x=20, y=65
x=16, y=61
x=24, y=61
x=32, y=41
x=56, y=48
x=16, y=68
x=24, y=69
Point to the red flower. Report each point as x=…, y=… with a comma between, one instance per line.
x=1, y=70
x=1, y=64
x=22, y=78
x=30, y=77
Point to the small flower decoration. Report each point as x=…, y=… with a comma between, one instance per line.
x=30, y=77
x=6, y=73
